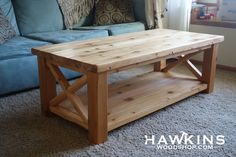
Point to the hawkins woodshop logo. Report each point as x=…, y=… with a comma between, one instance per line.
x=184, y=141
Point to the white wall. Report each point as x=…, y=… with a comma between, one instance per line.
x=207, y=1
x=227, y=49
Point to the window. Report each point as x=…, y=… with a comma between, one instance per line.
x=220, y=13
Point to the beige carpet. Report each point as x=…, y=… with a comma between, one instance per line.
x=24, y=132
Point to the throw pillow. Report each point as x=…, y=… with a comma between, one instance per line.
x=36, y=16
x=6, y=30
x=109, y=12
x=75, y=10
x=8, y=10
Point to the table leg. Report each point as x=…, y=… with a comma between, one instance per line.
x=97, y=107
x=159, y=65
x=209, y=67
x=47, y=85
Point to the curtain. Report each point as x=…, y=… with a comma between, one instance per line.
x=156, y=13
x=173, y=14
x=179, y=14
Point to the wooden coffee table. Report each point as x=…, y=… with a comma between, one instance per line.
x=111, y=106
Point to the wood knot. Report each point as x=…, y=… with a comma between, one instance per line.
x=127, y=85
x=129, y=99
x=101, y=51
x=170, y=92
x=117, y=57
x=119, y=92
x=136, y=52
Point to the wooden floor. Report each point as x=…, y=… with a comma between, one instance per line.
x=139, y=96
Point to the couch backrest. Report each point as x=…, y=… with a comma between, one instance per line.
x=139, y=13
x=34, y=16
x=139, y=10
x=7, y=8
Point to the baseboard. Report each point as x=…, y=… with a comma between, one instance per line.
x=219, y=66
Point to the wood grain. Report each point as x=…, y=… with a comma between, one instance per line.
x=78, y=105
x=130, y=99
x=68, y=115
x=112, y=53
x=72, y=88
x=139, y=96
x=181, y=60
x=97, y=107
x=193, y=69
x=209, y=67
x=158, y=66
x=58, y=75
x=47, y=85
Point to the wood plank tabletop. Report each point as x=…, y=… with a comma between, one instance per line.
x=109, y=53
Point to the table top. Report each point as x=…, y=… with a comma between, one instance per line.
x=109, y=53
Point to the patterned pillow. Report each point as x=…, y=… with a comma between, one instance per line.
x=6, y=30
x=113, y=12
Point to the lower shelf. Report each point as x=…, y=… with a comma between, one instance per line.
x=131, y=99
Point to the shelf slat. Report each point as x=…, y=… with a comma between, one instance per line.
x=140, y=96
x=67, y=114
x=136, y=97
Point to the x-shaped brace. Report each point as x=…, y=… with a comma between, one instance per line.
x=185, y=59
x=69, y=91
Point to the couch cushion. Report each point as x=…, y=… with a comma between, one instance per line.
x=68, y=35
x=6, y=30
x=21, y=73
x=109, y=12
x=8, y=11
x=18, y=47
x=35, y=16
x=117, y=28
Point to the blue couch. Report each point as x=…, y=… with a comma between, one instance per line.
x=40, y=23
